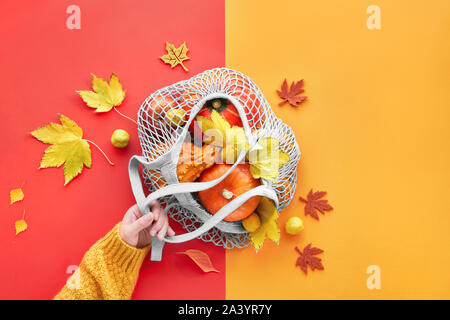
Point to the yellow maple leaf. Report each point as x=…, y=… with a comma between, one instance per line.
x=175, y=56
x=20, y=225
x=266, y=158
x=268, y=229
x=67, y=146
x=16, y=195
x=105, y=96
x=218, y=132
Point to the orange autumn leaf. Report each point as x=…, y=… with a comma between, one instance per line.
x=314, y=203
x=201, y=259
x=16, y=195
x=307, y=257
x=291, y=94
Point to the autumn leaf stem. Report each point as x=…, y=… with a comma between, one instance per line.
x=104, y=154
x=185, y=69
x=124, y=115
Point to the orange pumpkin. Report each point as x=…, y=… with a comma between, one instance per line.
x=236, y=86
x=193, y=160
x=156, y=108
x=236, y=183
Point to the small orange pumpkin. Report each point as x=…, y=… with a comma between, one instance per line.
x=239, y=181
x=193, y=160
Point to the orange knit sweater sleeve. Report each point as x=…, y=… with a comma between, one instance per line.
x=109, y=270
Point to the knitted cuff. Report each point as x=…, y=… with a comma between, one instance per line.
x=121, y=253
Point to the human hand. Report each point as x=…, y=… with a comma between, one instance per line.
x=137, y=230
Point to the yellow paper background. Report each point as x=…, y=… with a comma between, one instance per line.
x=374, y=133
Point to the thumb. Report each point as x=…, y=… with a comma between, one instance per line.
x=141, y=223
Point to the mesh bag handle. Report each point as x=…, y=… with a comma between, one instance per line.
x=144, y=202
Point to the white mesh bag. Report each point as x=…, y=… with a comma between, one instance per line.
x=161, y=143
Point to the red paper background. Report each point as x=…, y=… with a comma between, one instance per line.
x=42, y=64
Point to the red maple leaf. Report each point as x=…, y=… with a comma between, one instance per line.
x=314, y=203
x=291, y=95
x=307, y=257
